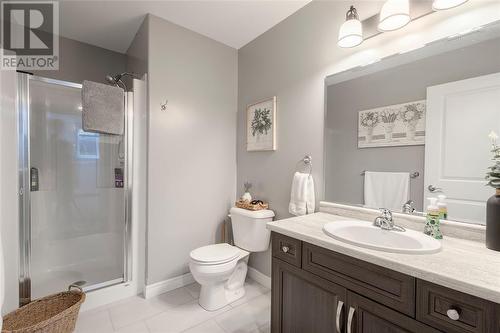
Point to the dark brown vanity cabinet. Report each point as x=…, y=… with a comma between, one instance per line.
x=302, y=302
x=315, y=290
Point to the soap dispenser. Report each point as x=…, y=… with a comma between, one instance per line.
x=432, y=220
x=443, y=207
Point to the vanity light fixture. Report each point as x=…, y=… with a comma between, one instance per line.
x=394, y=15
x=447, y=4
x=351, y=31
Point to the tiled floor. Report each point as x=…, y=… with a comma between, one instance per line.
x=178, y=311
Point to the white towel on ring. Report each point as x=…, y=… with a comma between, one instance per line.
x=302, y=198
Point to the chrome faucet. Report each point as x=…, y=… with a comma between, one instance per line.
x=386, y=222
x=408, y=207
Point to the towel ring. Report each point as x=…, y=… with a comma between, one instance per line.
x=306, y=161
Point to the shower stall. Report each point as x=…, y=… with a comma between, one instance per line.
x=75, y=193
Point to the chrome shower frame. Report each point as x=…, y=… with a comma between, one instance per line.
x=24, y=195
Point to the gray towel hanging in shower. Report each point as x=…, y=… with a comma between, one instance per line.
x=103, y=109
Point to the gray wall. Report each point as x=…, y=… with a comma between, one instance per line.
x=137, y=53
x=192, y=151
x=286, y=62
x=80, y=61
x=344, y=161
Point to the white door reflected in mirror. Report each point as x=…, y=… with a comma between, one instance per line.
x=460, y=115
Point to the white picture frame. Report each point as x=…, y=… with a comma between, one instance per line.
x=393, y=125
x=261, y=125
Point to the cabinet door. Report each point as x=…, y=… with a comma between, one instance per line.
x=365, y=316
x=303, y=302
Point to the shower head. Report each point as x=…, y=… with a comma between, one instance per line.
x=112, y=79
x=117, y=79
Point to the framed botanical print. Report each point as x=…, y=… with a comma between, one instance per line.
x=261, y=125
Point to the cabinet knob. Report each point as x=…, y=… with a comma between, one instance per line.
x=285, y=249
x=453, y=314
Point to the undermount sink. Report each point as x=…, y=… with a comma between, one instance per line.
x=364, y=234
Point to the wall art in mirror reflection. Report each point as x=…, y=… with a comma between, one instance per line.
x=393, y=125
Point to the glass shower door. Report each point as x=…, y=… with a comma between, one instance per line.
x=77, y=203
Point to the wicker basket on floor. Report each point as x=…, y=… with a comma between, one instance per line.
x=52, y=314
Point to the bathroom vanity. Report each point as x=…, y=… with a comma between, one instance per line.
x=399, y=133
x=320, y=284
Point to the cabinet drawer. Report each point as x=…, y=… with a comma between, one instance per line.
x=387, y=287
x=473, y=315
x=287, y=249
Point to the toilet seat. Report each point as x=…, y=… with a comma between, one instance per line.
x=215, y=254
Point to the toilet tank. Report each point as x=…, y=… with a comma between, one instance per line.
x=249, y=228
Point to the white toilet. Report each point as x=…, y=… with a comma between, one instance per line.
x=221, y=269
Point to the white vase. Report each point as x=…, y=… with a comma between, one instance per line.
x=369, y=134
x=246, y=197
x=411, y=130
x=389, y=129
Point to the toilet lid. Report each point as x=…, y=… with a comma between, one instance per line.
x=216, y=253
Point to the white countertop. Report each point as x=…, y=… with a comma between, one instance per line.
x=464, y=265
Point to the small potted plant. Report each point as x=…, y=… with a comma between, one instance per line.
x=247, y=196
x=388, y=118
x=369, y=120
x=493, y=203
x=410, y=114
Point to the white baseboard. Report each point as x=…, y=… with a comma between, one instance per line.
x=161, y=287
x=259, y=277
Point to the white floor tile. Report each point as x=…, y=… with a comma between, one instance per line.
x=248, y=317
x=194, y=289
x=207, y=327
x=181, y=318
x=265, y=328
x=179, y=311
x=172, y=299
x=139, y=327
x=132, y=311
x=94, y=322
x=252, y=290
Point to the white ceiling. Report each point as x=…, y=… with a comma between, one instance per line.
x=113, y=24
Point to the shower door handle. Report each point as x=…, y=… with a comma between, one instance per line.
x=34, y=180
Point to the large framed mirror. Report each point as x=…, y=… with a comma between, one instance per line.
x=415, y=126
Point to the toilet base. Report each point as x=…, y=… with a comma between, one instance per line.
x=217, y=295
